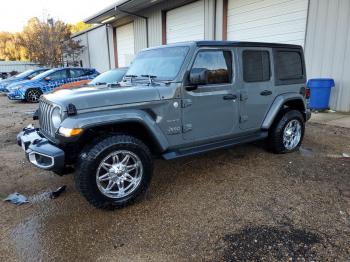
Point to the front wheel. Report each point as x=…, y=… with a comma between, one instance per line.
x=286, y=134
x=114, y=172
x=32, y=95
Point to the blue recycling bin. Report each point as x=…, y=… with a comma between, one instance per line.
x=320, y=89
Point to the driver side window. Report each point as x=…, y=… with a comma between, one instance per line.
x=58, y=75
x=218, y=63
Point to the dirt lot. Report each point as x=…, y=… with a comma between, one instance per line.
x=230, y=205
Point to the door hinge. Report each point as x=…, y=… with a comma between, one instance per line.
x=186, y=128
x=186, y=103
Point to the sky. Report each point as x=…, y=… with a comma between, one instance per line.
x=15, y=13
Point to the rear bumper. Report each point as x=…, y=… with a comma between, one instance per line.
x=39, y=151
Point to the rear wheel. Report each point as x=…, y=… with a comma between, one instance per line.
x=287, y=132
x=32, y=95
x=114, y=172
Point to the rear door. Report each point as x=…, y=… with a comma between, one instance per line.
x=257, y=92
x=210, y=111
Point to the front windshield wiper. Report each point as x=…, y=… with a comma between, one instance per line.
x=131, y=77
x=150, y=78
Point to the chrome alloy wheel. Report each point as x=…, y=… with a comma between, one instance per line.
x=292, y=134
x=119, y=174
x=33, y=95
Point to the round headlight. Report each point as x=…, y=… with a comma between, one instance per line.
x=56, y=117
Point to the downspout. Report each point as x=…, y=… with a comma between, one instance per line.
x=108, y=50
x=140, y=16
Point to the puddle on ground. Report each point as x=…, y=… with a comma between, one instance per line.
x=307, y=152
x=266, y=243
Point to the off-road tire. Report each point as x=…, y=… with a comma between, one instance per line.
x=32, y=95
x=91, y=157
x=275, y=139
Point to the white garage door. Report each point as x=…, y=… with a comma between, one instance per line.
x=185, y=23
x=125, y=44
x=280, y=21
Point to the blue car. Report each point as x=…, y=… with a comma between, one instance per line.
x=31, y=90
x=26, y=75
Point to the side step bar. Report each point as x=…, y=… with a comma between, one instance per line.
x=214, y=146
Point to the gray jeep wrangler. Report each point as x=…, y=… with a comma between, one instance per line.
x=175, y=101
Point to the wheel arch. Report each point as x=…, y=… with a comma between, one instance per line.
x=136, y=123
x=292, y=101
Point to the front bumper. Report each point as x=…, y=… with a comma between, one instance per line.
x=3, y=90
x=39, y=151
x=15, y=96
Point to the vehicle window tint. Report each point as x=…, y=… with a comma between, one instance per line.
x=218, y=64
x=289, y=65
x=88, y=72
x=256, y=66
x=58, y=75
x=35, y=74
x=74, y=73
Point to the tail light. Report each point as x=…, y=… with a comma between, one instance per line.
x=307, y=93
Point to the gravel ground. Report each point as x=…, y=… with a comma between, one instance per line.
x=241, y=204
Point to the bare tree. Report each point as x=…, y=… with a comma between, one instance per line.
x=71, y=51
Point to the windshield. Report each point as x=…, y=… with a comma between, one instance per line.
x=109, y=77
x=164, y=63
x=44, y=74
x=24, y=74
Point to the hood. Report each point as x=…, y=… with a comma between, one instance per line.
x=17, y=84
x=103, y=96
x=6, y=82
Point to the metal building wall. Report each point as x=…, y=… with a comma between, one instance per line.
x=154, y=15
x=327, y=47
x=97, y=53
x=9, y=66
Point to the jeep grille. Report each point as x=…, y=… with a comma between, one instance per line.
x=45, y=112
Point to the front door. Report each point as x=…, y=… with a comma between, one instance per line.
x=256, y=93
x=56, y=79
x=210, y=111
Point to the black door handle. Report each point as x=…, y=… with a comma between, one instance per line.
x=230, y=97
x=266, y=93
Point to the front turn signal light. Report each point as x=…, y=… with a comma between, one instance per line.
x=68, y=132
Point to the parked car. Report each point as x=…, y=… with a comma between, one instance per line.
x=108, y=77
x=26, y=75
x=31, y=90
x=178, y=100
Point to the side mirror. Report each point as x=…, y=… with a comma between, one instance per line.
x=199, y=76
x=47, y=78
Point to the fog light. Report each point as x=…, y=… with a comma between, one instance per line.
x=68, y=132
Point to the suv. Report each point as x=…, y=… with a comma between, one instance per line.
x=31, y=90
x=175, y=101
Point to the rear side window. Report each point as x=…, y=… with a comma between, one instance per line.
x=256, y=66
x=89, y=72
x=289, y=65
x=218, y=63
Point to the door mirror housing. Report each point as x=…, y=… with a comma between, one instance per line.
x=198, y=76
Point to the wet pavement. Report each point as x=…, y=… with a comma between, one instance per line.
x=241, y=204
